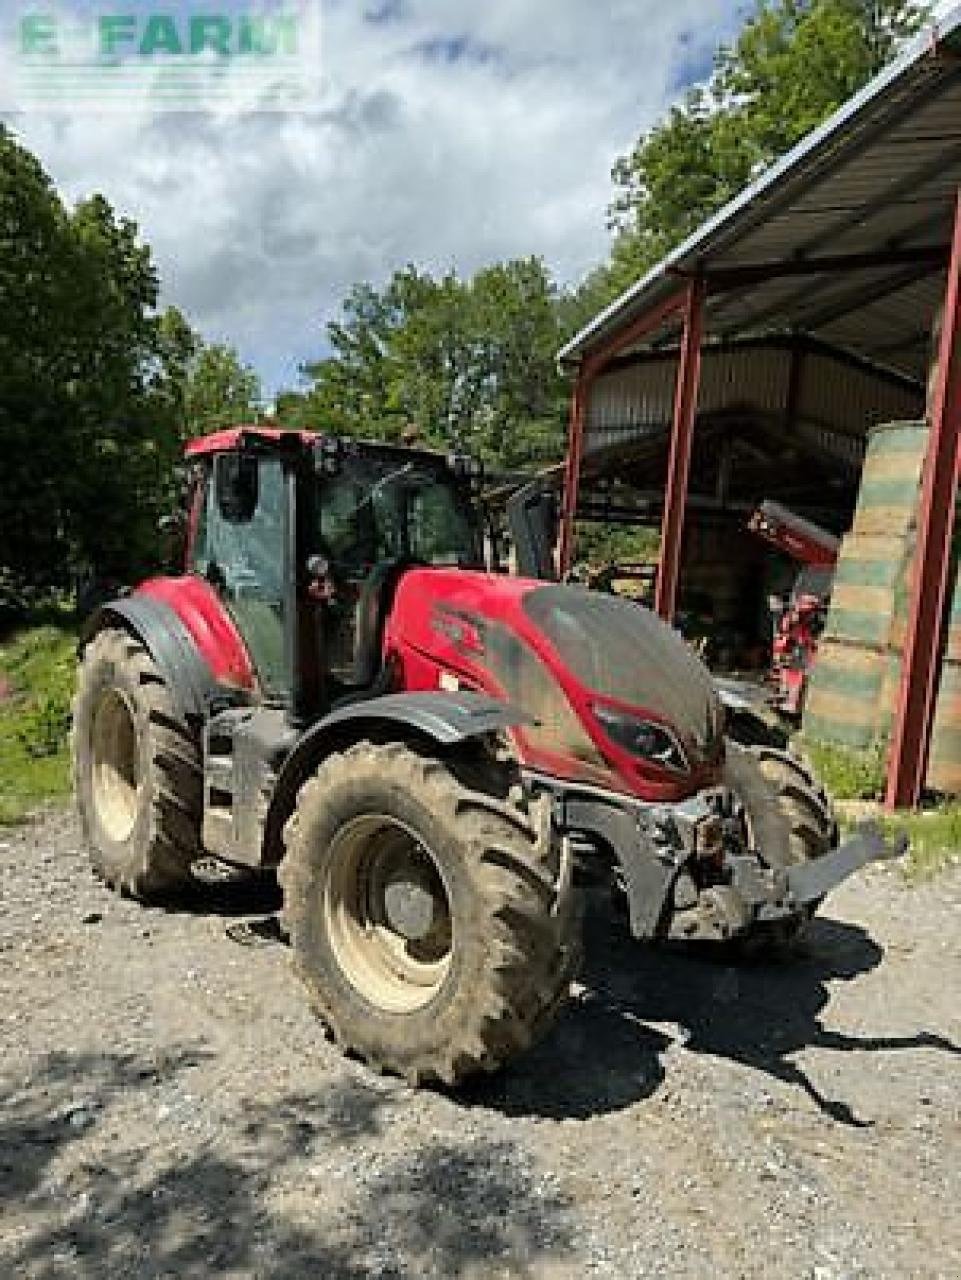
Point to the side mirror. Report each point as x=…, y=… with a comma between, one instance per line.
x=236, y=484
x=173, y=524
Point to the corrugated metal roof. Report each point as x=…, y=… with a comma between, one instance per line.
x=880, y=176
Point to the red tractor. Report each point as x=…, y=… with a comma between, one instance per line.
x=336, y=688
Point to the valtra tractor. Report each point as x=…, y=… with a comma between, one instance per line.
x=426, y=751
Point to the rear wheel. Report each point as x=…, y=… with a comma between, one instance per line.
x=787, y=816
x=431, y=920
x=136, y=770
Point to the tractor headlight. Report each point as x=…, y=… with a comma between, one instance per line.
x=645, y=739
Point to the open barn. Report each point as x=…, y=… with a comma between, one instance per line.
x=753, y=363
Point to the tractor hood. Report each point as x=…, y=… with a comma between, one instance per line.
x=572, y=658
x=624, y=652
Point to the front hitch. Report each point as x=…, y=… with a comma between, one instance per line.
x=759, y=894
x=809, y=882
x=776, y=893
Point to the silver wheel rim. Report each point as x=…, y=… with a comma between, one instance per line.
x=115, y=772
x=387, y=914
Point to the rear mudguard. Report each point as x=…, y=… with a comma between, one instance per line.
x=166, y=638
x=190, y=636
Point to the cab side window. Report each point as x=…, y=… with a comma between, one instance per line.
x=243, y=558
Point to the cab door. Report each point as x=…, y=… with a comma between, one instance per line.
x=241, y=548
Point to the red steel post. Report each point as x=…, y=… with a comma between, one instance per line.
x=591, y=368
x=572, y=472
x=679, y=463
x=910, y=740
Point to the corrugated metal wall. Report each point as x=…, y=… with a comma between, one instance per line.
x=837, y=402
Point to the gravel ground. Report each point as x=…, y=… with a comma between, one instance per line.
x=168, y=1107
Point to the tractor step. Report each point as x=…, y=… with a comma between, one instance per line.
x=243, y=751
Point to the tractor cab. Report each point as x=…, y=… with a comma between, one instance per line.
x=304, y=539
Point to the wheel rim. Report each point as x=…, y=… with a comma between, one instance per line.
x=115, y=772
x=387, y=914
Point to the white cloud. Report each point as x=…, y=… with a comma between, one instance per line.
x=445, y=135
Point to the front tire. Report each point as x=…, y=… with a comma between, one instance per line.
x=788, y=821
x=136, y=770
x=431, y=920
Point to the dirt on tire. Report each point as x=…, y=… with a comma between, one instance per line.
x=510, y=901
x=142, y=830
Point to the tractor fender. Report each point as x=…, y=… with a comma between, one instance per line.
x=444, y=719
x=165, y=636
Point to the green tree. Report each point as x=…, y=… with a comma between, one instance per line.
x=35, y=369
x=468, y=363
x=793, y=64
x=219, y=390
x=518, y=322
x=348, y=392
x=87, y=416
x=118, y=449
x=177, y=347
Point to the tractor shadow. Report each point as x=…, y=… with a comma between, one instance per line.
x=218, y=890
x=639, y=1003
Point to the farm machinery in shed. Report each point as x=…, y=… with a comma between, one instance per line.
x=798, y=616
x=427, y=752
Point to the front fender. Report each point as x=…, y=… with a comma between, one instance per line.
x=443, y=719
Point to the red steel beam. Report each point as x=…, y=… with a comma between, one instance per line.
x=591, y=367
x=679, y=463
x=572, y=472
x=907, y=763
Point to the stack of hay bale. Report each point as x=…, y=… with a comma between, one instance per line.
x=856, y=676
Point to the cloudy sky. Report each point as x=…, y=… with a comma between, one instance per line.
x=443, y=133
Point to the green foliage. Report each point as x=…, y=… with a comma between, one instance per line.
x=37, y=668
x=934, y=838
x=934, y=834
x=86, y=441
x=603, y=544
x=847, y=773
x=44, y=726
x=793, y=64
x=97, y=390
x=464, y=363
x=219, y=391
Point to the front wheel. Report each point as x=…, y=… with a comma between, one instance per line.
x=787, y=817
x=431, y=920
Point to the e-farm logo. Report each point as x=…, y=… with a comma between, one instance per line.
x=179, y=56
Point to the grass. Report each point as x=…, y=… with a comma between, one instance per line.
x=934, y=835
x=859, y=775
x=37, y=667
x=847, y=773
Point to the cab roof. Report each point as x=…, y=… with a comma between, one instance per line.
x=231, y=437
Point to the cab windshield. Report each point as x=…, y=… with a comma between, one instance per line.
x=382, y=509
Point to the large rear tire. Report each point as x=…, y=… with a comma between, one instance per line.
x=136, y=770
x=431, y=919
